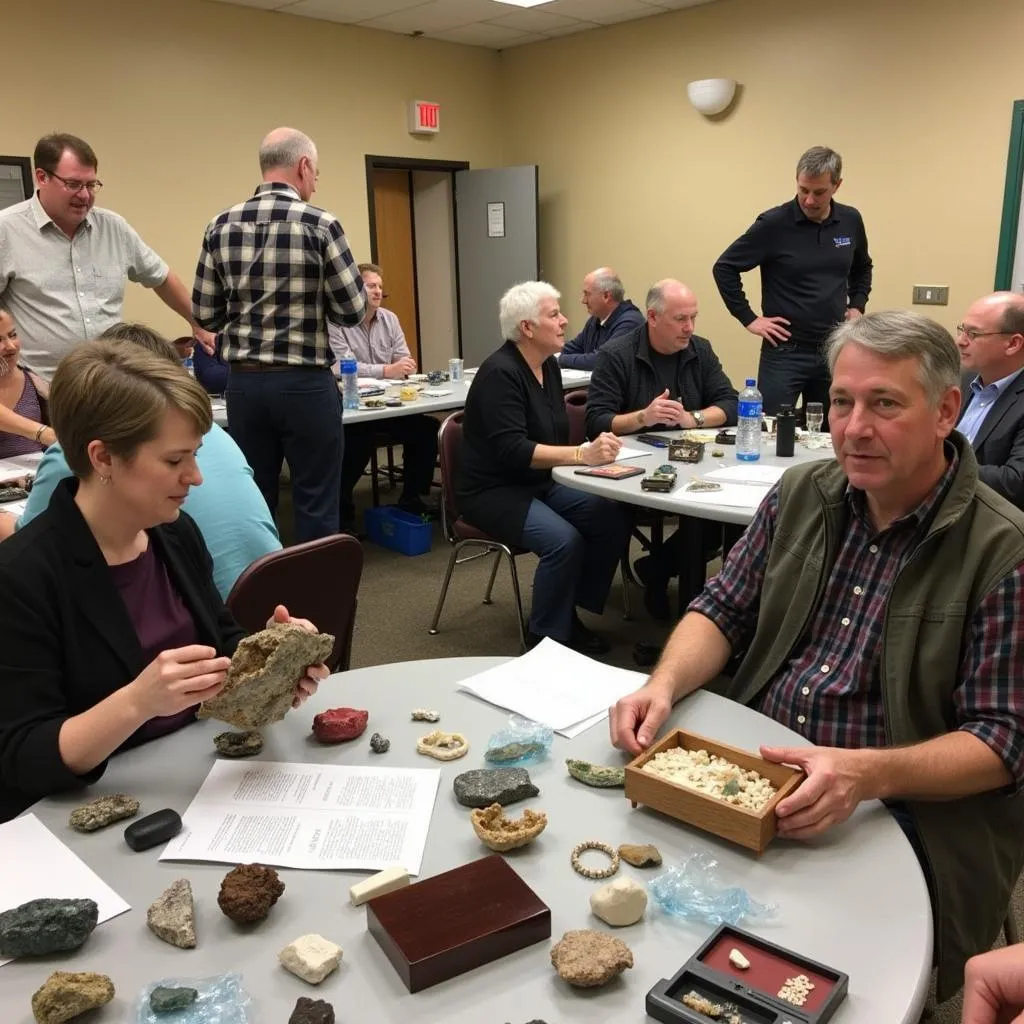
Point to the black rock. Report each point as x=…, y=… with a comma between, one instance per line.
x=311, y=1011
x=46, y=926
x=166, y=1000
x=482, y=787
x=379, y=744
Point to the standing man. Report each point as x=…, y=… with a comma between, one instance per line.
x=815, y=272
x=64, y=262
x=379, y=348
x=991, y=343
x=272, y=271
x=611, y=314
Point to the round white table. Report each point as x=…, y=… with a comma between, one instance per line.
x=856, y=899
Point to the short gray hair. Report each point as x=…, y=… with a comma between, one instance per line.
x=522, y=302
x=1011, y=320
x=285, y=149
x=820, y=160
x=606, y=281
x=901, y=334
x=656, y=298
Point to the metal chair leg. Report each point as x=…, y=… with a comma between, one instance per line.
x=374, y=482
x=519, y=597
x=627, y=601
x=444, y=589
x=494, y=573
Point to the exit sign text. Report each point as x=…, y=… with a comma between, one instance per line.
x=424, y=117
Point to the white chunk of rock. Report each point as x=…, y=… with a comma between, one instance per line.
x=311, y=958
x=737, y=959
x=619, y=903
x=394, y=877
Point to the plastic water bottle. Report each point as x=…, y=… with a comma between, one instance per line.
x=189, y=365
x=349, y=384
x=748, y=423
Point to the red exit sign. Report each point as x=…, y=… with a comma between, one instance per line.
x=424, y=117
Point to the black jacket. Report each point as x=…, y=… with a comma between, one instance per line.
x=999, y=442
x=507, y=415
x=67, y=642
x=624, y=381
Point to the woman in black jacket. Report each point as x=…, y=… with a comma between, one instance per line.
x=111, y=629
x=515, y=430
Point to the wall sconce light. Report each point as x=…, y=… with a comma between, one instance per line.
x=711, y=95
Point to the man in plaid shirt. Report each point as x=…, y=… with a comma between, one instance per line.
x=874, y=604
x=272, y=272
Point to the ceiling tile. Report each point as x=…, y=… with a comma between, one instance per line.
x=349, y=10
x=605, y=12
x=433, y=16
x=532, y=21
x=571, y=28
x=484, y=34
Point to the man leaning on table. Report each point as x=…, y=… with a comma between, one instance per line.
x=873, y=602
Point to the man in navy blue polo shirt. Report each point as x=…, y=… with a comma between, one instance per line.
x=611, y=314
x=815, y=272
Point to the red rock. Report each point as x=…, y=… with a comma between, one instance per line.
x=340, y=724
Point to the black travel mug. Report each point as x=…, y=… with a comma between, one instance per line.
x=785, y=431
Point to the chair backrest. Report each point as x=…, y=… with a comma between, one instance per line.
x=449, y=451
x=318, y=580
x=576, y=409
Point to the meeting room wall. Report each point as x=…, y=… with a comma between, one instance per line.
x=175, y=96
x=915, y=94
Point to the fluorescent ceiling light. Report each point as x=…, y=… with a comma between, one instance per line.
x=524, y=3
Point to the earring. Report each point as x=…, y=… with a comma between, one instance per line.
x=105, y=479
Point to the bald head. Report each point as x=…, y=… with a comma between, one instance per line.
x=602, y=292
x=661, y=291
x=992, y=340
x=671, y=316
x=289, y=155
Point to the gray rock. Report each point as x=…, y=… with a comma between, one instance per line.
x=311, y=1011
x=164, y=999
x=239, y=744
x=482, y=787
x=265, y=670
x=379, y=744
x=599, y=775
x=172, y=916
x=103, y=811
x=46, y=926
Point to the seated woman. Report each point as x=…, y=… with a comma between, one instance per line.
x=515, y=429
x=23, y=424
x=111, y=629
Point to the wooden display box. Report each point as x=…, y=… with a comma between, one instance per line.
x=461, y=919
x=752, y=830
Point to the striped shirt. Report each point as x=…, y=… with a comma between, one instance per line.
x=830, y=691
x=272, y=272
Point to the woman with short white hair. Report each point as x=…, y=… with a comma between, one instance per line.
x=515, y=430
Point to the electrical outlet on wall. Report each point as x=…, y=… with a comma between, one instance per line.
x=931, y=295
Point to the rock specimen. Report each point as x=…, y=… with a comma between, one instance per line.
x=512, y=752
x=311, y=958
x=444, y=746
x=482, y=787
x=45, y=926
x=311, y=1011
x=425, y=715
x=619, y=903
x=588, y=959
x=238, y=744
x=65, y=995
x=339, y=724
x=166, y=1000
x=248, y=892
x=644, y=856
x=599, y=775
x=172, y=915
x=388, y=880
x=501, y=833
x=379, y=744
x=103, y=811
x=265, y=670
x=737, y=959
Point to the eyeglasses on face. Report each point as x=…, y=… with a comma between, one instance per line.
x=972, y=335
x=73, y=185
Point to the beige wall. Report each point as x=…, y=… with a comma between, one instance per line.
x=916, y=95
x=175, y=97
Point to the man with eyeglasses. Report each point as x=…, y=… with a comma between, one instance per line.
x=64, y=263
x=991, y=343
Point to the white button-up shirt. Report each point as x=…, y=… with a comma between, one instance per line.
x=374, y=344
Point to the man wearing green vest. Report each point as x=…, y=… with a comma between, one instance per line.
x=872, y=602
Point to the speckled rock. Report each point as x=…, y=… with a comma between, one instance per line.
x=239, y=744
x=340, y=724
x=642, y=856
x=482, y=787
x=248, y=892
x=65, y=994
x=172, y=915
x=103, y=811
x=311, y=1011
x=45, y=926
x=379, y=744
x=588, y=959
x=164, y=999
x=599, y=775
x=265, y=669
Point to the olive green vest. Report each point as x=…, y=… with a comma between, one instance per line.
x=975, y=845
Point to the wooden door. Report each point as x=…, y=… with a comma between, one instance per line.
x=392, y=208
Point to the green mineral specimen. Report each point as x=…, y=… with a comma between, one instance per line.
x=512, y=752
x=731, y=788
x=164, y=999
x=600, y=775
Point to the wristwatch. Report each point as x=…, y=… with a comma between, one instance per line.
x=698, y=418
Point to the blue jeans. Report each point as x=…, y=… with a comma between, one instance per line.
x=580, y=539
x=292, y=414
x=788, y=370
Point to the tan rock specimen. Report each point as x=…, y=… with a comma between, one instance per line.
x=248, y=892
x=311, y=958
x=619, y=903
x=589, y=959
x=445, y=746
x=501, y=833
x=172, y=915
x=66, y=994
x=264, y=672
x=103, y=811
x=640, y=856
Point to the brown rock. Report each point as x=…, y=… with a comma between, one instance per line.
x=589, y=959
x=65, y=994
x=645, y=856
x=264, y=672
x=239, y=744
x=501, y=833
x=311, y=1011
x=248, y=892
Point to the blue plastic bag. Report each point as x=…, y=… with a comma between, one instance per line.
x=221, y=1000
x=520, y=742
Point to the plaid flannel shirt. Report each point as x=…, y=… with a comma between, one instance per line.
x=273, y=270
x=830, y=691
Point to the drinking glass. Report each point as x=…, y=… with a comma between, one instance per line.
x=815, y=417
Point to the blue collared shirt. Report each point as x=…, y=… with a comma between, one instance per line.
x=982, y=400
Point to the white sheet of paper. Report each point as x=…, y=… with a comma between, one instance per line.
x=372, y=382
x=632, y=453
x=15, y=508
x=553, y=685
x=731, y=495
x=38, y=865
x=569, y=375
x=18, y=466
x=316, y=816
x=436, y=392
x=754, y=473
